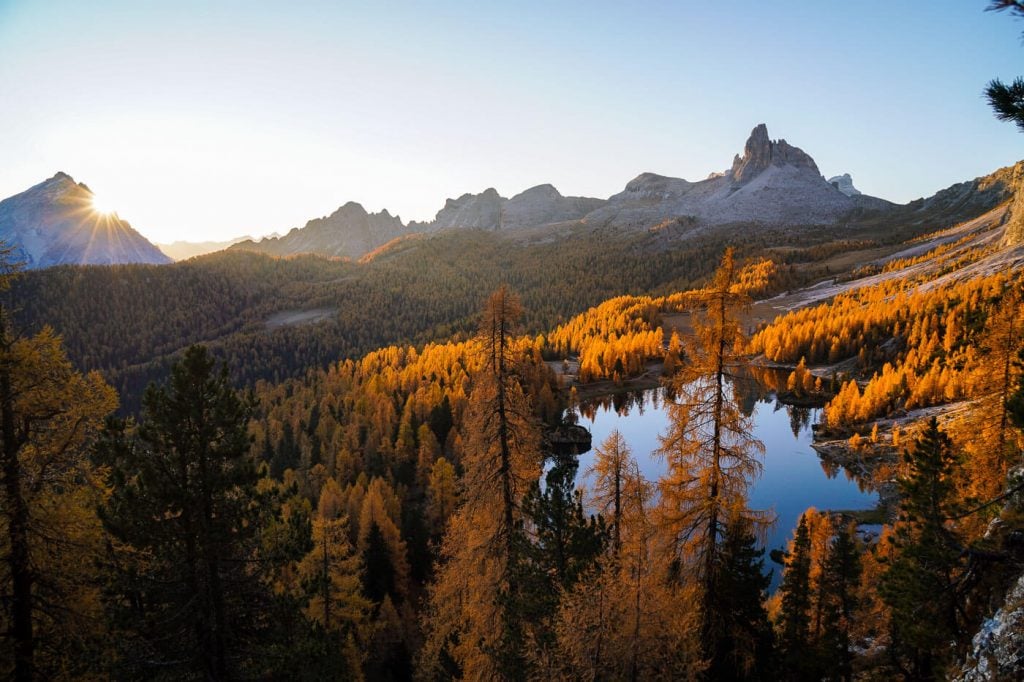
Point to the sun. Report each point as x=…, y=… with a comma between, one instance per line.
x=100, y=205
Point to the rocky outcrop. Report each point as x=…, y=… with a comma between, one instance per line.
x=1014, y=235
x=540, y=205
x=844, y=183
x=997, y=649
x=544, y=205
x=349, y=232
x=54, y=223
x=773, y=182
x=761, y=152
x=470, y=210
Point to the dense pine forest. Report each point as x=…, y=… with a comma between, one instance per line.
x=382, y=495
x=389, y=467
x=275, y=318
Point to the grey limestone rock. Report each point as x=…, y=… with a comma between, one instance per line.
x=54, y=223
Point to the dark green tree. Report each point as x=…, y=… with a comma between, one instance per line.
x=185, y=518
x=564, y=542
x=379, y=572
x=796, y=604
x=840, y=580
x=1007, y=101
x=743, y=646
x=921, y=585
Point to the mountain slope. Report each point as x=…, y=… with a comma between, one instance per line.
x=537, y=206
x=349, y=232
x=772, y=183
x=54, y=223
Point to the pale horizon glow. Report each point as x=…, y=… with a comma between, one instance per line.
x=205, y=122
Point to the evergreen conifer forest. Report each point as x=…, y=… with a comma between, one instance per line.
x=367, y=448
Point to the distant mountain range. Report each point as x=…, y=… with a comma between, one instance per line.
x=182, y=250
x=772, y=183
x=54, y=223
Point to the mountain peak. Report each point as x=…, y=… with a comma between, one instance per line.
x=547, y=190
x=54, y=223
x=761, y=152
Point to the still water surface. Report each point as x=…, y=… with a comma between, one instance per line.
x=793, y=479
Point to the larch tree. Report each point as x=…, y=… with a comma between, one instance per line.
x=1015, y=401
x=1002, y=340
x=711, y=456
x=442, y=496
x=474, y=620
x=49, y=416
x=623, y=621
x=610, y=473
x=332, y=571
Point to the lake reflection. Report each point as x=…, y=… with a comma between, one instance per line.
x=794, y=477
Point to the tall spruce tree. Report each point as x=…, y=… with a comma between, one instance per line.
x=563, y=545
x=840, y=582
x=743, y=642
x=184, y=514
x=796, y=604
x=920, y=587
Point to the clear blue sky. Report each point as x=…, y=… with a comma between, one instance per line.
x=200, y=122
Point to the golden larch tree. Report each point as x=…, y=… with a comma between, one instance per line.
x=472, y=616
x=711, y=455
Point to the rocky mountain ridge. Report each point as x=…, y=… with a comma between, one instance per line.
x=54, y=223
x=772, y=182
x=349, y=232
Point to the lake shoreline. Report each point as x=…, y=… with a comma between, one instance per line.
x=863, y=464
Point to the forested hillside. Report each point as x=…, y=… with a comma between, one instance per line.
x=383, y=515
x=273, y=318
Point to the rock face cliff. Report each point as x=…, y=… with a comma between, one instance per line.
x=540, y=205
x=773, y=182
x=352, y=232
x=761, y=153
x=349, y=232
x=997, y=650
x=844, y=183
x=54, y=223
x=470, y=210
x=1014, y=235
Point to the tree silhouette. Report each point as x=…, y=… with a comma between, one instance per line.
x=1007, y=101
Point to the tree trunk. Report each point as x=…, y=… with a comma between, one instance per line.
x=17, y=527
